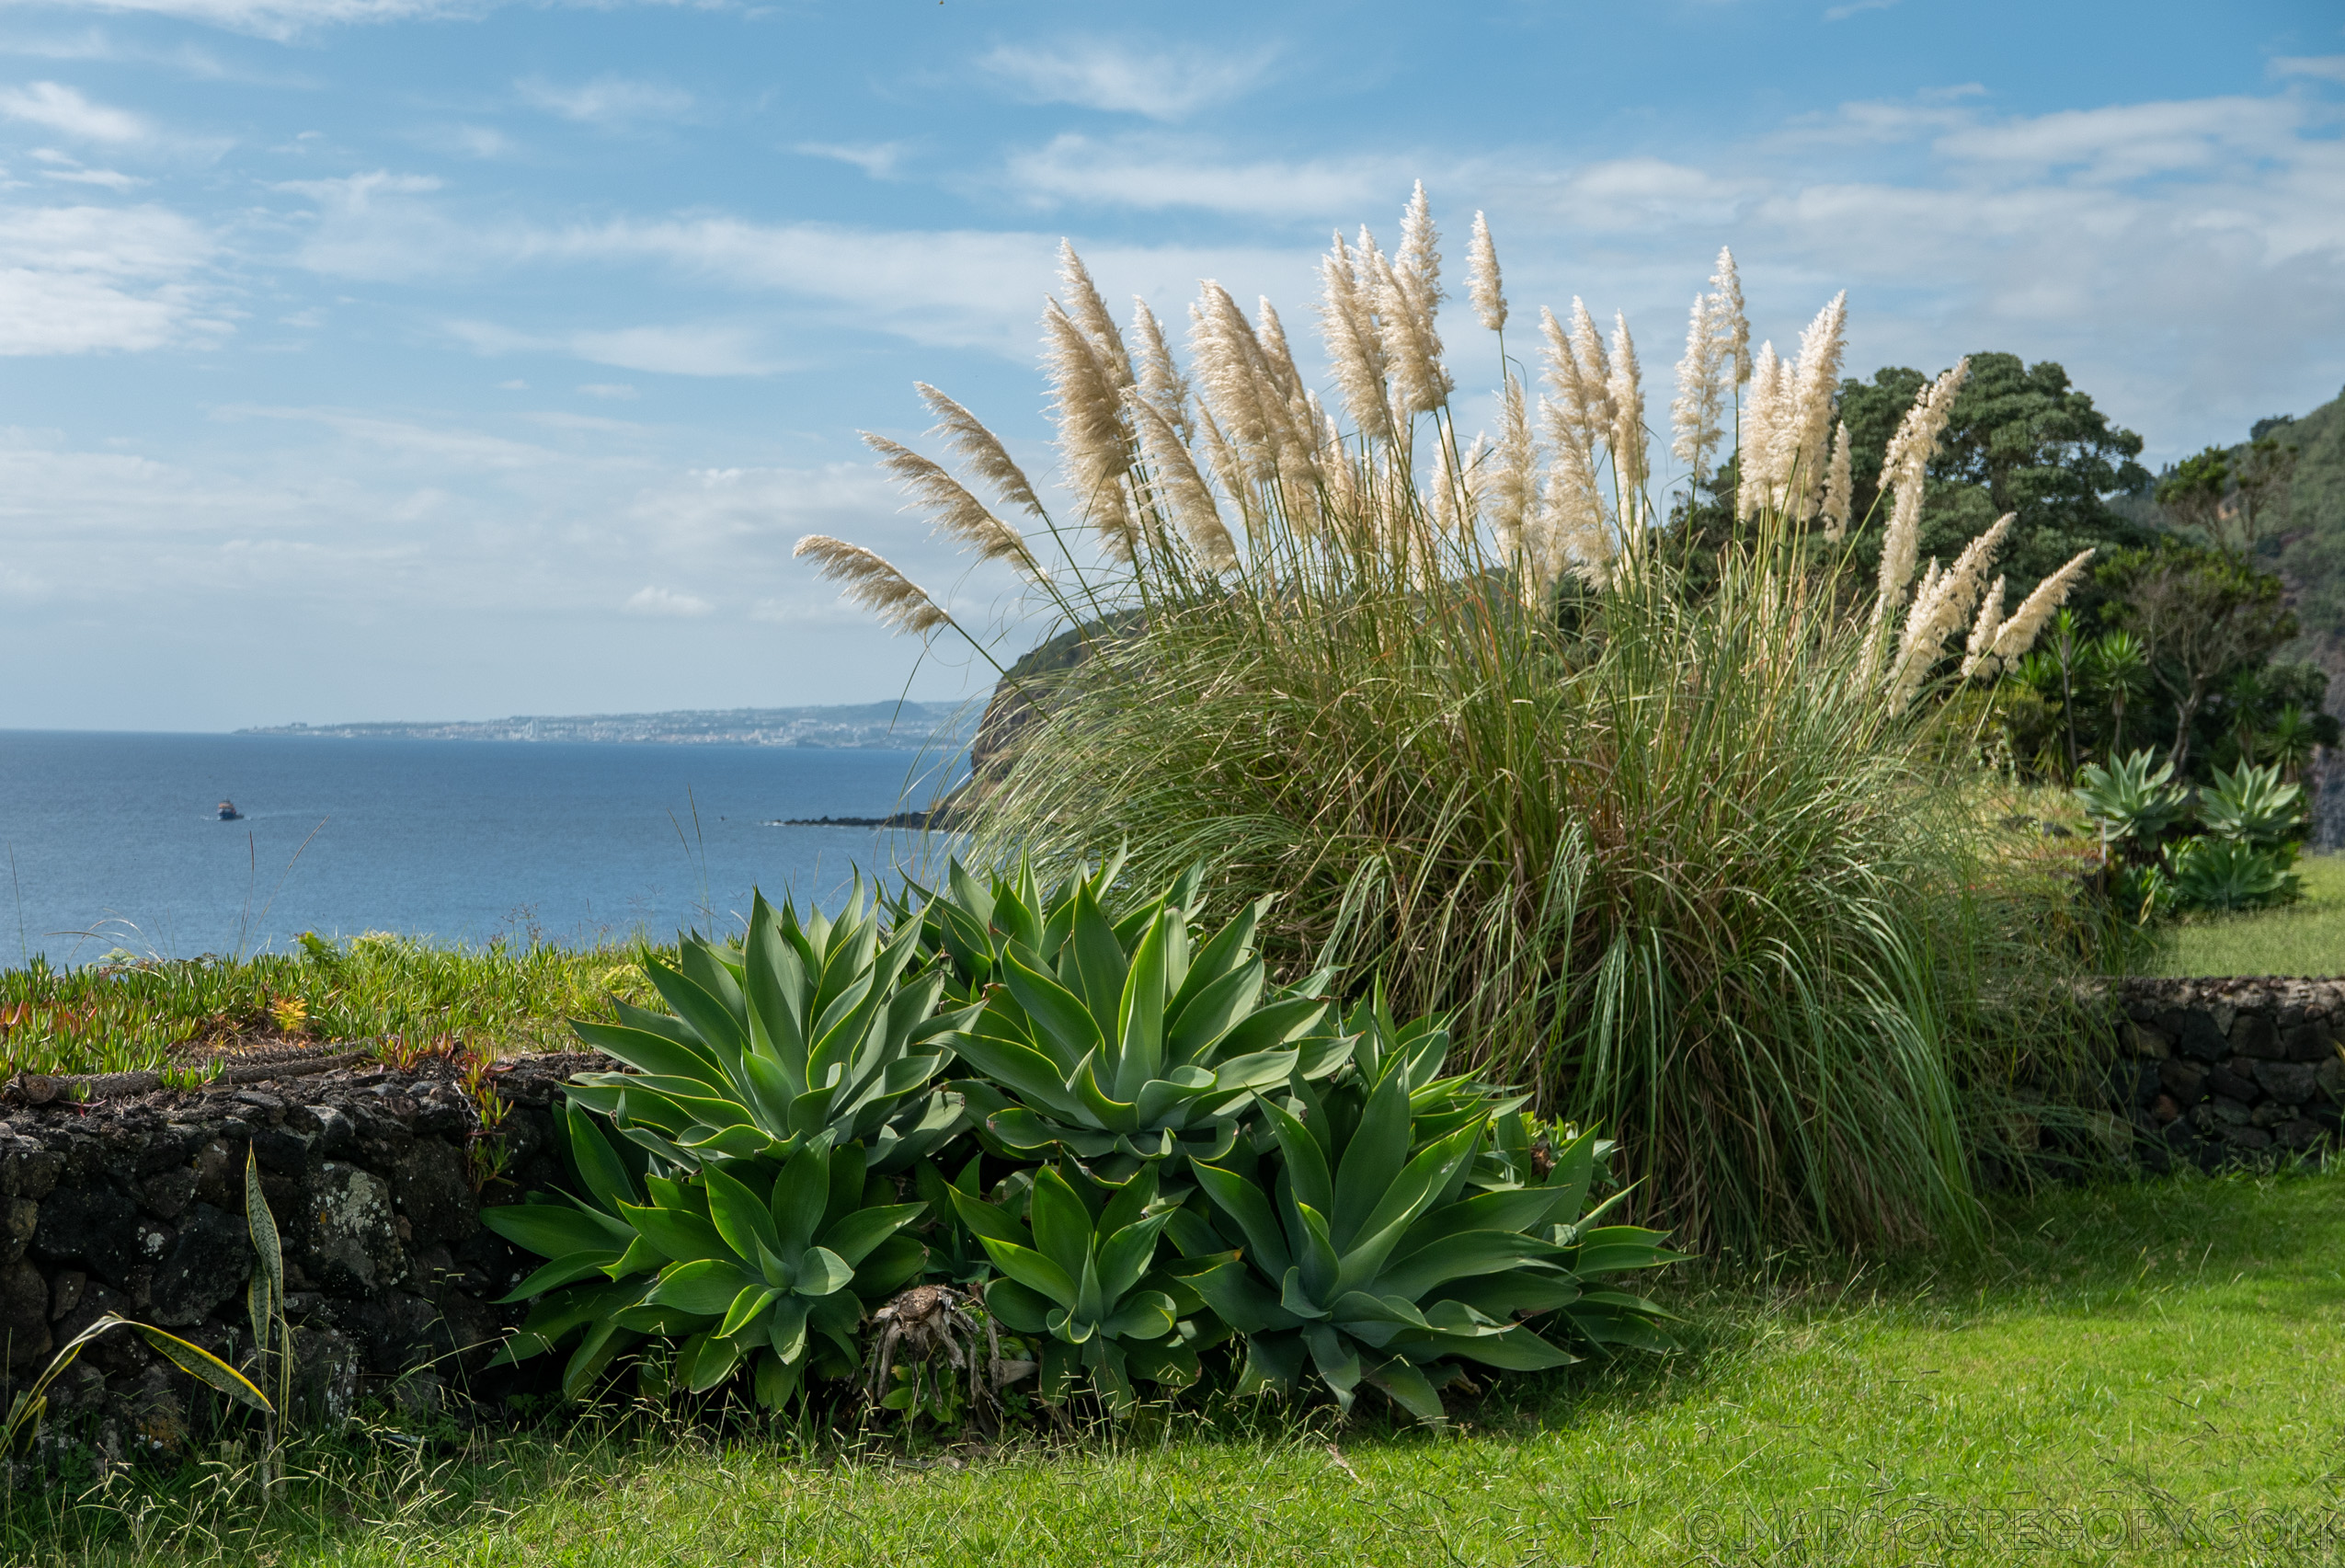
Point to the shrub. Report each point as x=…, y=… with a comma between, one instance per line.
x=1685, y=843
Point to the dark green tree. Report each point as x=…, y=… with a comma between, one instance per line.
x=2021, y=439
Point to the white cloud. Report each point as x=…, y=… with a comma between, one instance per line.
x=2324, y=67
x=612, y=389
x=282, y=18
x=605, y=100
x=1151, y=172
x=465, y=141
x=60, y=107
x=708, y=350
x=878, y=159
x=667, y=601
x=75, y=278
x=1158, y=80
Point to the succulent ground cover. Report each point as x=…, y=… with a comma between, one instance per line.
x=2144, y=1374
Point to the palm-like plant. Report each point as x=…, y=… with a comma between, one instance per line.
x=813, y=1029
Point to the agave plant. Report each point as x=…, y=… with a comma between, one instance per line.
x=2228, y=873
x=2251, y=805
x=810, y=1031
x=1076, y=1277
x=2126, y=800
x=1116, y=1041
x=1372, y=1263
x=741, y=1266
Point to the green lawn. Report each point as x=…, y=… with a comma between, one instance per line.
x=2137, y=1375
x=2303, y=938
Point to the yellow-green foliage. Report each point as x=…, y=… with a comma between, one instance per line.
x=126, y=1014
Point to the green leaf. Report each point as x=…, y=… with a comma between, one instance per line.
x=1147, y=1314
x=1372, y=1161
x=1411, y=1390
x=198, y=1362
x=1306, y=1164
x=800, y=1197
x=554, y=1230
x=708, y=1287
x=747, y=1308
x=1031, y=1269
x=1244, y=1202
x=647, y=1052
x=606, y=1175
x=821, y=1272
x=1139, y=1014
x=567, y=1270
x=1126, y=1256
x=683, y=1235
x=1457, y=1257
x=853, y=1237
x=1063, y=1027
x=740, y=1218
x=1062, y=1227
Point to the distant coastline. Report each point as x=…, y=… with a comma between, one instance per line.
x=847, y=726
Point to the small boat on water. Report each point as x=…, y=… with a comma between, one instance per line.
x=228, y=812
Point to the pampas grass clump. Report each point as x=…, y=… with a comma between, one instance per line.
x=1698, y=867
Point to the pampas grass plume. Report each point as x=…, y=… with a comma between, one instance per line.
x=1483, y=285
x=980, y=449
x=869, y=580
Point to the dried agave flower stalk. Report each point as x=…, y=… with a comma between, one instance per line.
x=1482, y=286
x=980, y=449
x=958, y=513
x=869, y=580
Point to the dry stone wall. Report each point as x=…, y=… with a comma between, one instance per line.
x=137, y=1207
x=2221, y=1070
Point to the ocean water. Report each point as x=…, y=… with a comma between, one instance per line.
x=113, y=839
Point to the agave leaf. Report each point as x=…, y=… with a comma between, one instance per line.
x=743, y=1218
x=1245, y=1203
x=1372, y=1161
x=1139, y=1014
x=1145, y=1314
x=822, y=1271
x=1409, y=1388
x=566, y=1270
x=1063, y=1226
x=1457, y=1257
x=708, y=1286
x=747, y=1308
x=647, y=1052
x=1306, y=1161
x=681, y=1234
x=1126, y=1256
x=555, y=1231
x=1063, y=1027
x=1031, y=1269
x=1195, y=1023
x=801, y=1197
x=853, y=1237
x=719, y=1031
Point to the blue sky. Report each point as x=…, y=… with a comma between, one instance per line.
x=376, y=358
